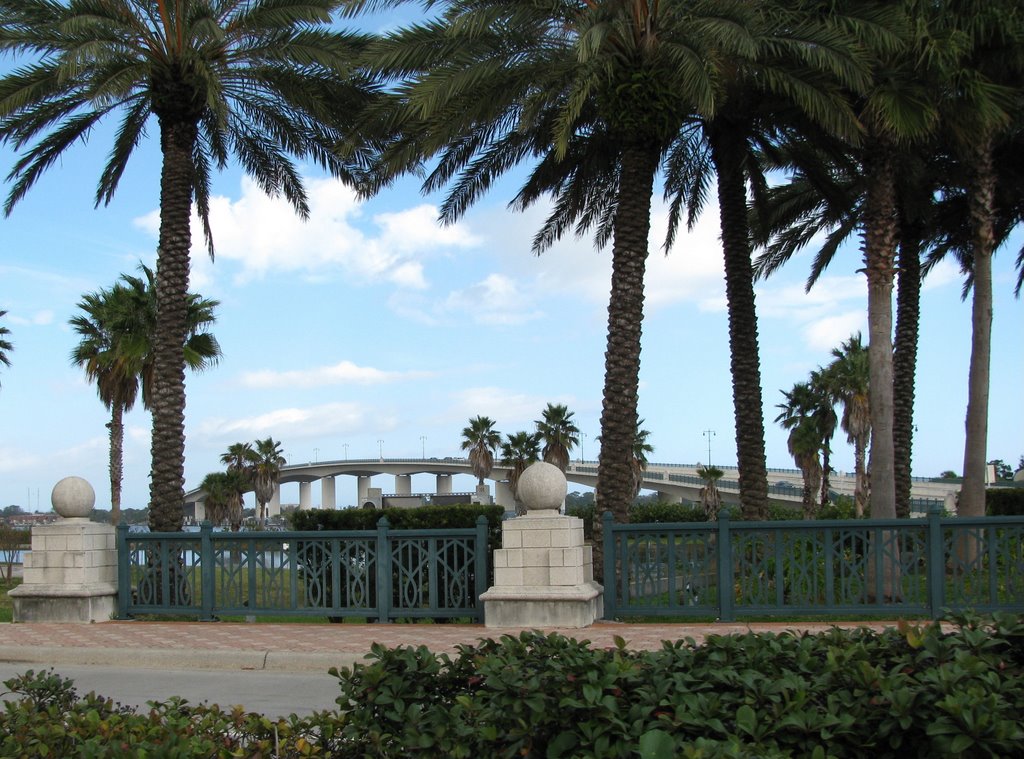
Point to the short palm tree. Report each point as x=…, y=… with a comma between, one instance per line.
x=116, y=328
x=641, y=449
x=710, y=498
x=5, y=344
x=266, y=460
x=240, y=459
x=223, y=502
x=797, y=414
x=848, y=377
x=559, y=434
x=481, y=440
x=255, y=79
x=517, y=453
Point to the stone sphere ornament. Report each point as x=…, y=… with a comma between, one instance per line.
x=542, y=487
x=73, y=498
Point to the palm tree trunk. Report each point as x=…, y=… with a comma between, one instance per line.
x=116, y=461
x=826, y=468
x=972, y=492
x=879, y=261
x=727, y=150
x=167, y=485
x=632, y=224
x=904, y=362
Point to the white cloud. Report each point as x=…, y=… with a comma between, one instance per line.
x=292, y=423
x=495, y=300
x=509, y=409
x=340, y=373
x=37, y=319
x=263, y=236
x=828, y=332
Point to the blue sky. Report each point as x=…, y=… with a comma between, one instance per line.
x=371, y=322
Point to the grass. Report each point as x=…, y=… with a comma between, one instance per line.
x=6, y=606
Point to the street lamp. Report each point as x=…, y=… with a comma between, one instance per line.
x=345, y=446
x=709, y=434
x=380, y=448
x=423, y=446
x=583, y=436
x=316, y=455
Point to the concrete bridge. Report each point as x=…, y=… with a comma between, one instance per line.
x=673, y=482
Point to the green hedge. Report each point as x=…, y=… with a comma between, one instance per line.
x=911, y=692
x=455, y=516
x=1004, y=502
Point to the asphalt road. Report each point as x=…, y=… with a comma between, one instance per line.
x=274, y=694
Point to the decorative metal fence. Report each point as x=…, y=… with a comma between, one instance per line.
x=727, y=569
x=380, y=574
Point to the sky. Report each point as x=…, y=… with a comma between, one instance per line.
x=372, y=329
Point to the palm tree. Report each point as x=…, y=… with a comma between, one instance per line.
x=640, y=450
x=594, y=94
x=223, y=501
x=116, y=328
x=848, y=376
x=240, y=459
x=481, y=440
x=558, y=433
x=5, y=345
x=710, y=498
x=257, y=79
x=266, y=461
x=518, y=452
x=805, y=442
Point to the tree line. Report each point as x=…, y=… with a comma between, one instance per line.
x=899, y=121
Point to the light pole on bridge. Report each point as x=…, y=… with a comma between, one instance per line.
x=316, y=455
x=380, y=448
x=345, y=446
x=423, y=446
x=709, y=434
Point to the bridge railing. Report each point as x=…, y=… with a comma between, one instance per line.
x=380, y=574
x=732, y=569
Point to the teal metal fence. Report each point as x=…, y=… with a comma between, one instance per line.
x=730, y=569
x=380, y=574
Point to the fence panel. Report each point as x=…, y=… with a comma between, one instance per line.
x=381, y=574
x=919, y=567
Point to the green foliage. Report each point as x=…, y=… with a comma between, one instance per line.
x=661, y=512
x=841, y=507
x=455, y=516
x=1004, y=502
x=907, y=692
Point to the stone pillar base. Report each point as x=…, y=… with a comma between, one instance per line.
x=570, y=607
x=63, y=603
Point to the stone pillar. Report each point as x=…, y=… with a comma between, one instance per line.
x=543, y=573
x=274, y=507
x=328, y=500
x=403, y=484
x=362, y=486
x=482, y=495
x=71, y=572
x=444, y=484
x=503, y=495
x=305, y=496
x=200, y=510
x=666, y=497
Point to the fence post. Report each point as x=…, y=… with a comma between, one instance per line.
x=936, y=562
x=725, y=591
x=124, y=572
x=610, y=577
x=384, y=572
x=480, y=564
x=206, y=570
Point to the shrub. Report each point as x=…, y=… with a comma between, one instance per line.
x=662, y=512
x=1004, y=502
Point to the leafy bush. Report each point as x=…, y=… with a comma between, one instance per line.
x=661, y=513
x=1004, y=502
x=907, y=692
x=423, y=518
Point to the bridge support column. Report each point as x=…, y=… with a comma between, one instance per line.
x=503, y=496
x=362, y=486
x=274, y=505
x=305, y=496
x=328, y=499
x=665, y=497
x=200, y=510
x=403, y=484
x=444, y=484
x=483, y=495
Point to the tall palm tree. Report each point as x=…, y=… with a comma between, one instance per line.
x=256, y=79
x=558, y=433
x=5, y=344
x=116, y=328
x=266, y=461
x=849, y=379
x=517, y=453
x=481, y=440
x=240, y=459
x=594, y=95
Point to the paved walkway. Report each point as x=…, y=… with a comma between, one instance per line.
x=306, y=647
